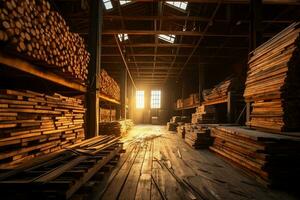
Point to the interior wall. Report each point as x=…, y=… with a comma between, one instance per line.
x=144, y=116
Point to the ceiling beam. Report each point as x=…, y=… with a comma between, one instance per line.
x=143, y=45
x=124, y=60
x=201, y=38
x=184, y=33
x=285, y=2
x=182, y=18
x=163, y=55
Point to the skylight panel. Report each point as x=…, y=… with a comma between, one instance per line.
x=107, y=4
x=178, y=4
x=123, y=2
x=167, y=38
x=122, y=37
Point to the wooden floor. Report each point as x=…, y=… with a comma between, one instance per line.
x=160, y=165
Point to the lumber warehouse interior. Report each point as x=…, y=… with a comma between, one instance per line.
x=149, y=99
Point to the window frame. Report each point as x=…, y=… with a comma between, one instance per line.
x=123, y=37
x=155, y=99
x=139, y=99
x=107, y=3
x=172, y=5
x=167, y=38
x=125, y=2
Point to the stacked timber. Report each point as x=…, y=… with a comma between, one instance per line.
x=109, y=86
x=205, y=115
x=175, y=121
x=117, y=128
x=107, y=115
x=273, y=82
x=126, y=125
x=272, y=158
x=192, y=100
x=59, y=175
x=197, y=137
x=34, y=31
x=33, y=124
x=220, y=91
x=110, y=128
x=179, y=103
x=181, y=130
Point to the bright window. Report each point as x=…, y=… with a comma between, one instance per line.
x=178, y=4
x=107, y=4
x=140, y=98
x=167, y=38
x=155, y=98
x=123, y=37
x=123, y=2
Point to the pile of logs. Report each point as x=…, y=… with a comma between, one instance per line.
x=272, y=158
x=109, y=86
x=205, y=115
x=107, y=115
x=117, y=128
x=196, y=136
x=33, y=30
x=273, y=82
x=60, y=175
x=220, y=91
x=33, y=124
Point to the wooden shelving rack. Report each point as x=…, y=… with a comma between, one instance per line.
x=39, y=72
x=188, y=107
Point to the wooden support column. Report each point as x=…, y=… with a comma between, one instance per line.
x=182, y=93
x=231, y=107
x=255, y=25
x=255, y=37
x=92, y=95
x=123, y=93
x=130, y=91
x=201, y=82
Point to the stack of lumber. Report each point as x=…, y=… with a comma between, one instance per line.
x=272, y=158
x=33, y=30
x=107, y=115
x=175, y=121
x=179, y=103
x=109, y=86
x=273, y=82
x=33, y=124
x=59, y=175
x=110, y=128
x=192, y=100
x=220, y=91
x=172, y=126
x=126, y=125
x=197, y=136
x=118, y=128
x=181, y=130
x=205, y=115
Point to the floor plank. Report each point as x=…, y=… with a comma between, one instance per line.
x=155, y=170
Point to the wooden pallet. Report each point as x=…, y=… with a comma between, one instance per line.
x=61, y=174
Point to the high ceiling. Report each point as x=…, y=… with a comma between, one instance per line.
x=209, y=33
